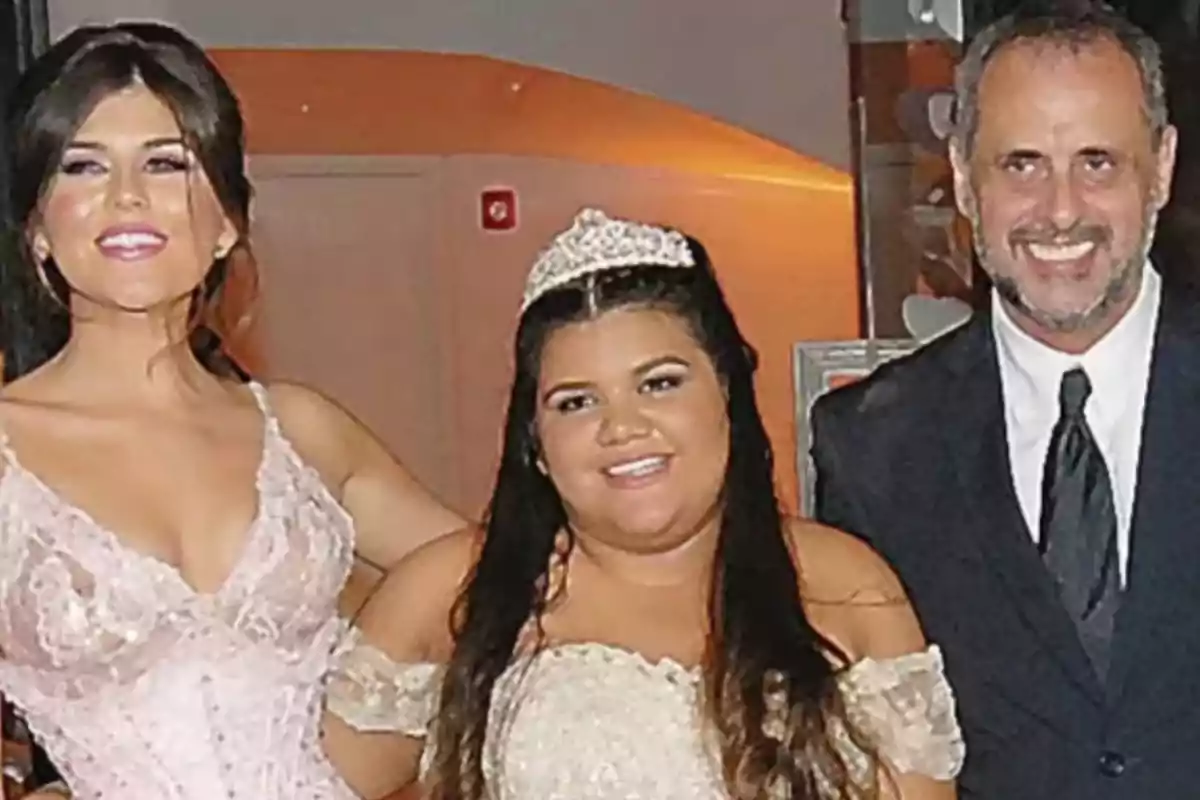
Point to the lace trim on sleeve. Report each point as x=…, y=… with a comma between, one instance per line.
x=905, y=707
x=371, y=692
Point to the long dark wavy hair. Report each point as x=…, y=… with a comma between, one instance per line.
x=49, y=103
x=769, y=676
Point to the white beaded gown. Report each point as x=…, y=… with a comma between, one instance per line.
x=590, y=721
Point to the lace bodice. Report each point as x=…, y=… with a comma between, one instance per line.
x=593, y=722
x=139, y=687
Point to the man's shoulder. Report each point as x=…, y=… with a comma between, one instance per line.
x=904, y=386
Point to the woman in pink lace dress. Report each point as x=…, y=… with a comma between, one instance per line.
x=173, y=538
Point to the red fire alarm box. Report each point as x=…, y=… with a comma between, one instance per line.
x=498, y=209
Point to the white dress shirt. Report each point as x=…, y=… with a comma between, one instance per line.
x=1119, y=369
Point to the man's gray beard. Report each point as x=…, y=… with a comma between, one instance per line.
x=1118, y=288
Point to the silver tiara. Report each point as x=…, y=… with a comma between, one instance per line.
x=596, y=242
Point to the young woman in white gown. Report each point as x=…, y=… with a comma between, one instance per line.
x=173, y=539
x=637, y=619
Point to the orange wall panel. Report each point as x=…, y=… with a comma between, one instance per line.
x=780, y=225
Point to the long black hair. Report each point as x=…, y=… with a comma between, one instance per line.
x=49, y=103
x=769, y=676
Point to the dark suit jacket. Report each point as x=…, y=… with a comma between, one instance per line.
x=914, y=460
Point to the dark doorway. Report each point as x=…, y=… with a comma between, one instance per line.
x=23, y=35
x=1163, y=18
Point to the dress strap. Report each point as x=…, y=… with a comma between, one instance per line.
x=263, y=401
x=8, y=456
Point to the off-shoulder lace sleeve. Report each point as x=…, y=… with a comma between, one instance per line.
x=371, y=692
x=905, y=707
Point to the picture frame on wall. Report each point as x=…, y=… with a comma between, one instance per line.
x=819, y=367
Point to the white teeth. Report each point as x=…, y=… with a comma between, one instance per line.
x=1072, y=252
x=643, y=466
x=131, y=240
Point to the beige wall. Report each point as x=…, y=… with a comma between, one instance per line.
x=380, y=288
x=774, y=67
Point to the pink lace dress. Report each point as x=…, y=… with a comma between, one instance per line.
x=140, y=688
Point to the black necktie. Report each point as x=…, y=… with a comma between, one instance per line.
x=1079, y=525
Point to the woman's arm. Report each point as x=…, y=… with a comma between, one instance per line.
x=384, y=692
x=51, y=791
x=25, y=763
x=393, y=513
x=855, y=599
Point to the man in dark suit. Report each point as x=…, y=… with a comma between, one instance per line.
x=1034, y=475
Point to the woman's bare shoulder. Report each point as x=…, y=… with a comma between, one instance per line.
x=851, y=594
x=409, y=614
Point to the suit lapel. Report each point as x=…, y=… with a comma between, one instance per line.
x=1164, y=562
x=977, y=445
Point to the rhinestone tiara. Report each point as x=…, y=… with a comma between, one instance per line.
x=596, y=242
